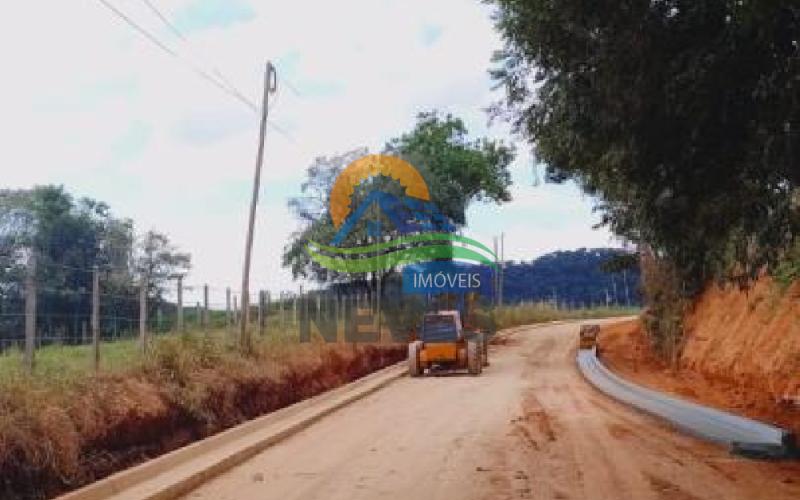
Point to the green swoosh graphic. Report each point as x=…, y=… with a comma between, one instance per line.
x=402, y=240
x=405, y=256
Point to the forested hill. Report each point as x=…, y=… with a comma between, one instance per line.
x=574, y=278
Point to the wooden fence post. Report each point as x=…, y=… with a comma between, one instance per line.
x=96, y=317
x=260, y=312
x=280, y=304
x=319, y=307
x=235, y=311
x=143, y=313
x=30, y=314
x=180, y=304
x=267, y=303
x=294, y=309
x=205, y=307
x=303, y=309
x=228, y=321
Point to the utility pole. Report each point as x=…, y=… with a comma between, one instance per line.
x=270, y=85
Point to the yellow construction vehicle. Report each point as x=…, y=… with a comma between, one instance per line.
x=588, y=336
x=444, y=345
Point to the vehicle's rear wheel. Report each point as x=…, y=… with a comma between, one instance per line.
x=474, y=357
x=484, y=343
x=414, y=369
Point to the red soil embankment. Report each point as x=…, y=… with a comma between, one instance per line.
x=741, y=353
x=55, y=439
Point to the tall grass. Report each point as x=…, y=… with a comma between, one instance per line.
x=524, y=314
x=66, y=426
x=116, y=356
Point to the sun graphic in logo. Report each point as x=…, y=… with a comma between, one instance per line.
x=370, y=166
x=420, y=232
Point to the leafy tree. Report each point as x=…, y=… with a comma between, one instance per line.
x=681, y=116
x=159, y=261
x=69, y=237
x=582, y=277
x=458, y=170
x=312, y=210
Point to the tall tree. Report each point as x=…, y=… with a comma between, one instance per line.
x=69, y=238
x=682, y=116
x=158, y=260
x=457, y=169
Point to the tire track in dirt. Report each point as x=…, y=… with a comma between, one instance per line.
x=587, y=446
x=530, y=427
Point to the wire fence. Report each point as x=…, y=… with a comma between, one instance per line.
x=59, y=317
x=65, y=312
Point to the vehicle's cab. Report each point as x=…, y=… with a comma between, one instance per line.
x=442, y=326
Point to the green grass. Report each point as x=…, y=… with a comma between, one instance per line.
x=510, y=316
x=56, y=361
x=73, y=361
x=70, y=362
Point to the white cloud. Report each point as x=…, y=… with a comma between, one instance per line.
x=89, y=103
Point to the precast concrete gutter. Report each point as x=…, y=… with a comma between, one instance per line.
x=743, y=435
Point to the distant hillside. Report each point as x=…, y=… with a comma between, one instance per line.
x=573, y=278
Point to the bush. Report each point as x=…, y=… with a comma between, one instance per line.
x=666, y=303
x=56, y=435
x=787, y=271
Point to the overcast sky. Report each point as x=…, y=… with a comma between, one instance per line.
x=89, y=103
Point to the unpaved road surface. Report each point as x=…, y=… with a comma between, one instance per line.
x=529, y=427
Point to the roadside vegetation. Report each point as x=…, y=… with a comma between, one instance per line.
x=528, y=314
x=66, y=426
x=680, y=118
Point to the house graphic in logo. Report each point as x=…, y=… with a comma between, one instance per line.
x=423, y=232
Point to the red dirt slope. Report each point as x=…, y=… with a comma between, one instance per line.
x=741, y=353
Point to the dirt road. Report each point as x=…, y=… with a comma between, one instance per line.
x=529, y=427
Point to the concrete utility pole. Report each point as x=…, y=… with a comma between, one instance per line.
x=270, y=85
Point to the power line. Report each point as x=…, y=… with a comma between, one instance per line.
x=233, y=92
x=174, y=29
x=139, y=29
x=221, y=76
x=292, y=87
x=158, y=43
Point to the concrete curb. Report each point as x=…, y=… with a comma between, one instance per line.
x=743, y=435
x=180, y=471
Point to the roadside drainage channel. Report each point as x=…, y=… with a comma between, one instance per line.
x=183, y=470
x=744, y=436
